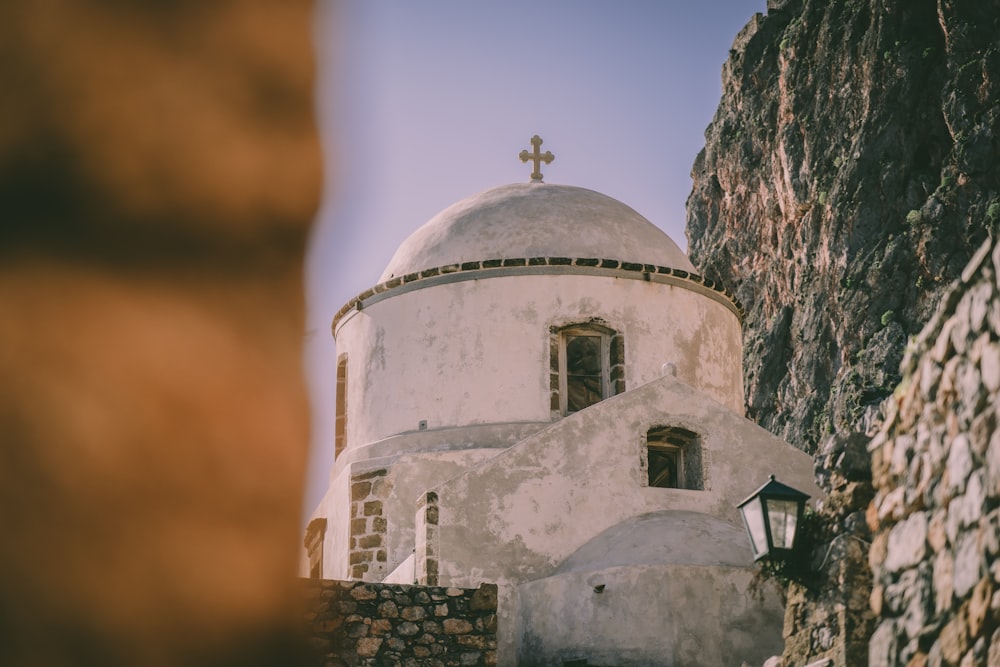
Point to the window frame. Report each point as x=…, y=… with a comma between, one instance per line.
x=340, y=408
x=663, y=447
x=605, y=362
x=686, y=444
x=613, y=361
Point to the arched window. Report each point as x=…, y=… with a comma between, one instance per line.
x=340, y=422
x=586, y=366
x=673, y=458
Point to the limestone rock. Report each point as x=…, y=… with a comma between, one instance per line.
x=820, y=103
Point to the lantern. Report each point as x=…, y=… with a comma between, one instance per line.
x=772, y=515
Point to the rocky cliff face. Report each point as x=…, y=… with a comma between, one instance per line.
x=848, y=176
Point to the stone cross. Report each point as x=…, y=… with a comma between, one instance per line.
x=537, y=157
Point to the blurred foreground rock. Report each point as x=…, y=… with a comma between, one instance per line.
x=159, y=169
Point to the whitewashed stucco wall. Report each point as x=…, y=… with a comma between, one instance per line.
x=477, y=351
x=518, y=515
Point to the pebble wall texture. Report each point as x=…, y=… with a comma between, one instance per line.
x=358, y=624
x=936, y=471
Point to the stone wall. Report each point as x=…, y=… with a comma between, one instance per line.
x=367, y=553
x=936, y=470
x=828, y=615
x=364, y=624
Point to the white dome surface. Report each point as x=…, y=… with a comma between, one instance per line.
x=535, y=220
x=665, y=537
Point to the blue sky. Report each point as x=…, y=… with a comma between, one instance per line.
x=424, y=103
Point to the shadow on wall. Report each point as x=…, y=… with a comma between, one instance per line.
x=158, y=173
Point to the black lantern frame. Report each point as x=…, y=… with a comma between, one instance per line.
x=772, y=516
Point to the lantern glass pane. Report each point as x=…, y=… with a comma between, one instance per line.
x=783, y=516
x=753, y=517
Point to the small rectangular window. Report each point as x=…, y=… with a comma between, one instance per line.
x=673, y=459
x=665, y=467
x=587, y=365
x=585, y=382
x=340, y=419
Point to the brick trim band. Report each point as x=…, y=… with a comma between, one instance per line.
x=495, y=268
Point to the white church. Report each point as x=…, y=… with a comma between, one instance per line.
x=541, y=392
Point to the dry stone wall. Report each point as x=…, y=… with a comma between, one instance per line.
x=358, y=624
x=936, y=470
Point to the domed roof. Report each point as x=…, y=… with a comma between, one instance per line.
x=535, y=220
x=659, y=538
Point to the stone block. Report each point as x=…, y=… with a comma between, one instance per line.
x=373, y=508
x=388, y=609
x=472, y=641
x=993, y=465
x=954, y=640
x=959, y=463
x=484, y=598
x=414, y=613
x=944, y=582
x=370, y=541
x=993, y=654
x=381, y=626
x=407, y=629
x=364, y=592
x=368, y=647
x=907, y=543
x=360, y=490
x=875, y=601
x=989, y=535
x=937, y=537
x=882, y=649
x=989, y=366
x=357, y=629
x=456, y=626
x=490, y=624
x=979, y=606
x=968, y=564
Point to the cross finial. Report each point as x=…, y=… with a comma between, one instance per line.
x=537, y=157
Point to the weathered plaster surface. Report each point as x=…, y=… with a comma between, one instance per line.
x=545, y=497
x=476, y=352
x=670, y=536
x=405, y=479
x=533, y=220
x=694, y=616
